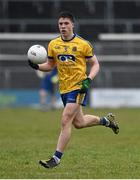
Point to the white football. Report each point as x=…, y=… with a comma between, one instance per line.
x=37, y=54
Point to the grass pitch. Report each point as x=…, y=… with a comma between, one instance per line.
x=28, y=135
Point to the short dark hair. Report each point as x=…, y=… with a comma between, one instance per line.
x=66, y=14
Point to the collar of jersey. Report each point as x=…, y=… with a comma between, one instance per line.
x=69, y=39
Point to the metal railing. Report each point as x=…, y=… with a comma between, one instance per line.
x=109, y=77
x=107, y=19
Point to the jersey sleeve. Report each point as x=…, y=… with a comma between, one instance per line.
x=50, y=51
x=88, y=50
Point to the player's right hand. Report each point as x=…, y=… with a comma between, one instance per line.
x=85, y=85
x=34, y=66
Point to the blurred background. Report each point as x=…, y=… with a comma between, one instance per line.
x=112, y=26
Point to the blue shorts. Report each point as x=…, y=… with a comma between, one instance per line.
x=74, y=97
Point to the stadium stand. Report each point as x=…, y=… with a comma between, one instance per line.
x=98, y=15
x=119, y=59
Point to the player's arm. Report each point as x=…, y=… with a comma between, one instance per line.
x=47, y=66
x=94, y=64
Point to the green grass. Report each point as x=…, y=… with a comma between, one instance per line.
x=28, y=135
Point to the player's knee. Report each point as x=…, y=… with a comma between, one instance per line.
x=66, y=119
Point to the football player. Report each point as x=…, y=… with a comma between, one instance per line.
x=70, y=54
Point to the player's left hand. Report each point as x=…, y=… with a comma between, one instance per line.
x=85, y=85
x=34, y=66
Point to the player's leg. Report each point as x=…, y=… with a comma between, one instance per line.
x=53, y=96
x=68, y=115
x=42, y=95
x=73, y=114
x=82, y=121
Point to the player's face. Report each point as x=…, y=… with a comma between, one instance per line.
x=66, y=28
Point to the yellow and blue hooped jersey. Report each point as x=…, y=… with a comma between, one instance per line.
x=70, y=57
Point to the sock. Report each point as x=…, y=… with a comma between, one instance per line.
x=104, y=121
x=57, y=156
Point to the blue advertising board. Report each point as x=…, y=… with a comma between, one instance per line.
x=18, y=97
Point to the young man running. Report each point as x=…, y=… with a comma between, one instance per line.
x=70, y=54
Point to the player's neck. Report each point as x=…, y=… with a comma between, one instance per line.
x=68, y=38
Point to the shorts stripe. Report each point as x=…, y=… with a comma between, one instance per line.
x=80, y=98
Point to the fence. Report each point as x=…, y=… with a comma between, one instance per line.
x=93, y=16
